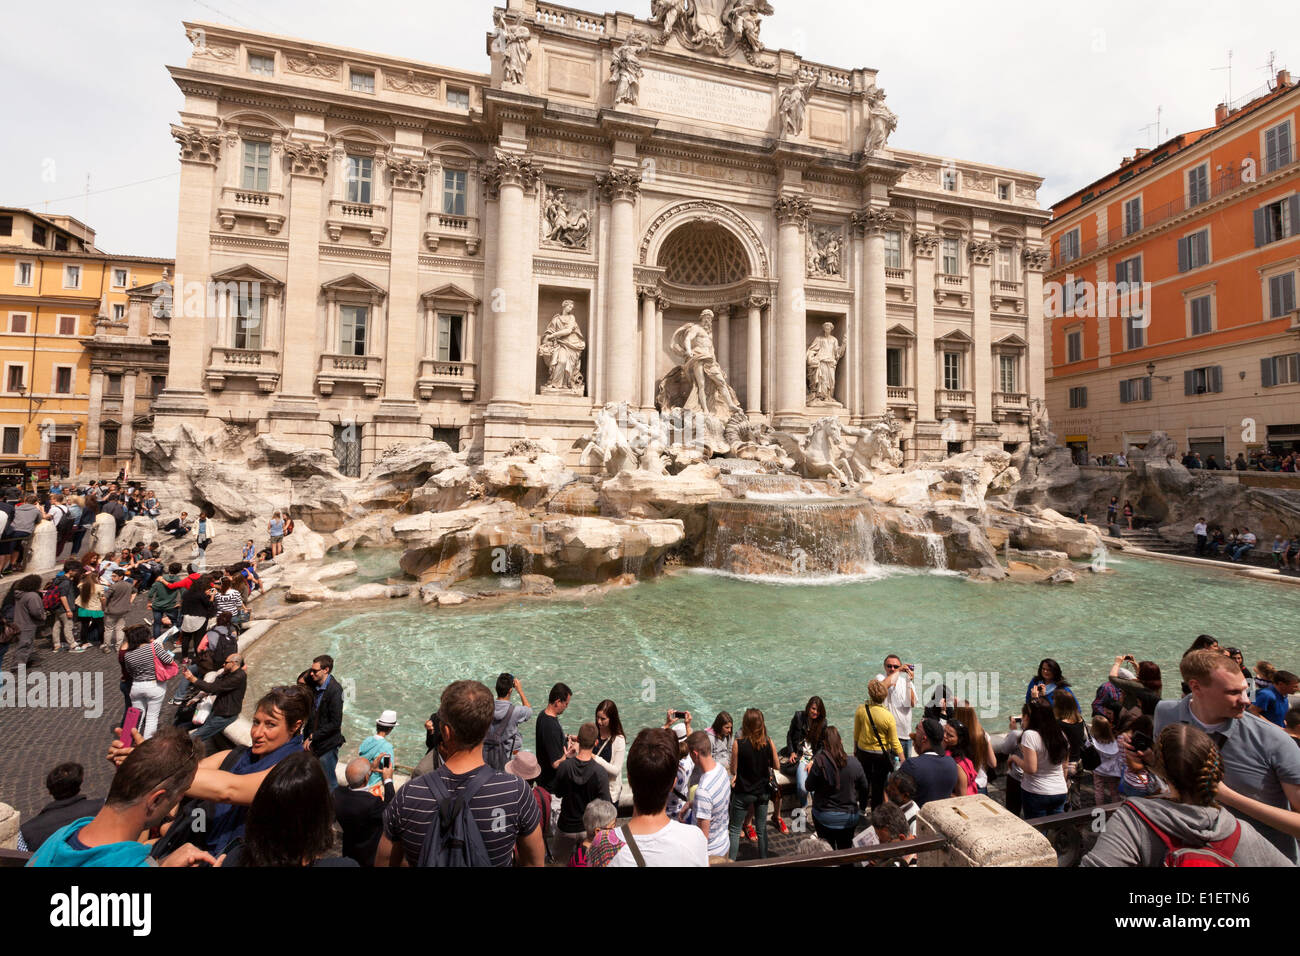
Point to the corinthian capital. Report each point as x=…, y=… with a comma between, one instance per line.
x=792, y=210
x=926, y=243
x=1036, y=259
x=307, y=159
x=408, y=173
x=621, y=183
x=510, y=169
x=981, y=252
x=873, y=222
x=197, y=146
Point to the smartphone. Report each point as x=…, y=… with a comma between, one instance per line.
x=385, y=762
x=129, y=723
x=679, y=715
x=1018, y=720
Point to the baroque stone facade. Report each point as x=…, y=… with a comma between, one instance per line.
x=391, y=240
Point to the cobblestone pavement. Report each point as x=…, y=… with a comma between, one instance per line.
x=33, y=740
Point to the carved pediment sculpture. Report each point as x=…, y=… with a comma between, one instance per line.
x=825, y=252
x=715, y=26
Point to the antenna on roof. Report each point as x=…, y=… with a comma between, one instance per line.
x=1154, y=126
x=1220, y=69
x=87, y=197
x=1271, y=67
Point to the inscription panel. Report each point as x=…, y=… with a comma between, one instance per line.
x=674, y=94
x=566, y=75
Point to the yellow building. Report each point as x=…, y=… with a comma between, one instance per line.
x=57, y=293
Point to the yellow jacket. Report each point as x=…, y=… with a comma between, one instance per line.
x=865, y=739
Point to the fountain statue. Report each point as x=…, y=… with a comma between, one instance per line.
x=562, y=346
x=823, y=356
x=710, y=393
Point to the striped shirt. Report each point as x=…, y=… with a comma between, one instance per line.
x=713, y=803
x=409, y=814
x=139, y=662
x=230, y=601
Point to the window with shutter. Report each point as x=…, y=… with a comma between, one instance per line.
x=1216, y=378
x=1266, y=372
x=1184, y=254
x=1277, y=147
x=1132, y=215
x=1281, y=295
x=1201, y=315
x=1198, y=185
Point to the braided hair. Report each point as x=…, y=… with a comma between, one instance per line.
x=1188, y=760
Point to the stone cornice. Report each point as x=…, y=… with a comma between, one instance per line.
x=452, y=264
x=572, y=268
x=198, y=146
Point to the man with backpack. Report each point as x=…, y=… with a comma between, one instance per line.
x=464, y=813
x=504, y=740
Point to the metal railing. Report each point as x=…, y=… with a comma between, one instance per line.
x=1230, y=181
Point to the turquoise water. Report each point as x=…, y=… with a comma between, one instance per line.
x=704, y=642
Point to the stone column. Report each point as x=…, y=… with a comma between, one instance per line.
x=621, y=185
x=126, y=437
x=791, y=313
x=984, y=381
x=510, y=345
x=200, y=150
x=924, y=246
x=649, y=343
x=45, y=554
x=1036, y=382
x=401, y=358
x=754, y=356
x=724, y=339
x=300, y=357
x=95, y=415
x=874, y=222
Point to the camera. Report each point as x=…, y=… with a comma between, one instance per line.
x=679, y=715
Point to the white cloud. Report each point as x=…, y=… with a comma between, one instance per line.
x=1061, y=90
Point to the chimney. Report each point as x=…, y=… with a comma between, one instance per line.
x=1220, y=114
x=1141, y=151
x=1283, y=79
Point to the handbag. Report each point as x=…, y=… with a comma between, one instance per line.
x=1090, y=759
x=884, y=748
x=202, y=712
x=163, y=672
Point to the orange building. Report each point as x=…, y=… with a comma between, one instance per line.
x=1173, y=291
x=78, y=343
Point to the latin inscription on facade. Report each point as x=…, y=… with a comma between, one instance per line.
x=705, y=100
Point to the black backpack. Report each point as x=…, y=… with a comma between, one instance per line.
x=495, y=750
x=453, y=838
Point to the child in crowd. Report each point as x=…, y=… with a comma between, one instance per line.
x=1105, y=779
x=1136, y=780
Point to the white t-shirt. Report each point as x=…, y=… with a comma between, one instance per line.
x=898, y=701
x=674, y=845
x=1049, y=780
x=1199, y=528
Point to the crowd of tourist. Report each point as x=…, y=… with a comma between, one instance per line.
x=479, y=798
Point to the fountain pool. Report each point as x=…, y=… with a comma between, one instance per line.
x=706, y=641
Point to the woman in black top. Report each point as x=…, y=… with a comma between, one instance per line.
x=838, y=785
x=753, y=760
x=803, y=740
x=197, y=606
x=291, y=820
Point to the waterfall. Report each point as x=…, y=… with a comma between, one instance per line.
x=935, y=553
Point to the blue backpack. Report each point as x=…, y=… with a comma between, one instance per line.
x=453, y=838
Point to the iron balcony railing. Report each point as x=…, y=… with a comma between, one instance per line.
x=1230, y=181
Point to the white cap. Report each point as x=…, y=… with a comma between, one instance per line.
x=387, y=719
x=680, y=731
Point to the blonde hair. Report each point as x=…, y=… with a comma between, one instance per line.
x=1201, y=665
x=877, y=692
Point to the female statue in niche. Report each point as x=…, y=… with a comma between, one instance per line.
x=562, y=346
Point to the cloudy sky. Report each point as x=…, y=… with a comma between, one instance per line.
x=1063, y=90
